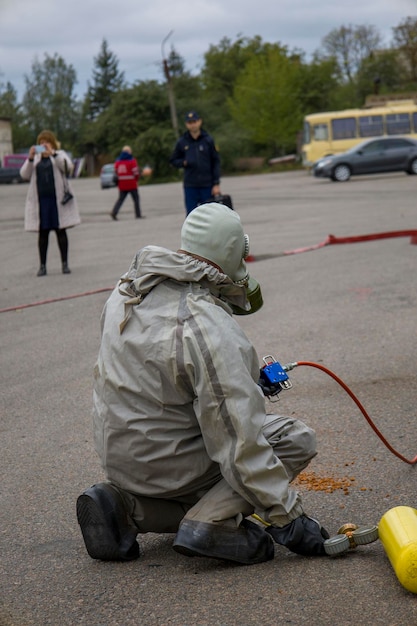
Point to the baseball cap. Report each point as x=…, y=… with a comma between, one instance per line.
x=192, y=116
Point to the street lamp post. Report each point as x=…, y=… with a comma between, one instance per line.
x=171, y=96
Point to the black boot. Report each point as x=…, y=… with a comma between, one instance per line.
x=41, y=271
x=304, y=535
x=65, y=269
x=105, y=526
x=247, y=544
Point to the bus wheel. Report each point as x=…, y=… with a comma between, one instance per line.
x=341, y=173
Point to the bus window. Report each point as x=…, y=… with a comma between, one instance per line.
x=398, y=123
x=306, y=133
x=370, y=126
x=320, y=132
x=414, y=116
x=344, y=128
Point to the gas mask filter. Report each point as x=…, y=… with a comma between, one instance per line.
x=253, y=296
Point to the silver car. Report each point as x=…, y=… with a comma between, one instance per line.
x=107, y=176
x=374, y=156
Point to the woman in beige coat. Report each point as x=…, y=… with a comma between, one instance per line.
x=46, y=169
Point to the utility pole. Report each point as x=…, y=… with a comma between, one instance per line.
x=171, y=96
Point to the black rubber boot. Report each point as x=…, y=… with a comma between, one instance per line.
x=42, y=271
x=65, y=269
x=104, y=523
x=303, y=535
x=247, y=544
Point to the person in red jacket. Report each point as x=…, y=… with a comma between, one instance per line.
x=127, y=172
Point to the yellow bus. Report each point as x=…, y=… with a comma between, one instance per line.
x=336, y=131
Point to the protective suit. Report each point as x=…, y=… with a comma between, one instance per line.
x=179, y=419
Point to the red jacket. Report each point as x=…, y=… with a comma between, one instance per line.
x=127, y=171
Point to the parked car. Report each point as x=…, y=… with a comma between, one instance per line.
x=374, y=156
x=10, y=175
x=107, y=176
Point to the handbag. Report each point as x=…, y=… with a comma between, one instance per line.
x=67, y=194
x=223, y=199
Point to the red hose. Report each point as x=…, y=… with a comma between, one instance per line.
x=362, y=409
x=59, y=299
x=331, y=240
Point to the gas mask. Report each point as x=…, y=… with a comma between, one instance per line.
x=214, y=232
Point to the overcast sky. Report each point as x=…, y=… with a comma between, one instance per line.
x=135, y=30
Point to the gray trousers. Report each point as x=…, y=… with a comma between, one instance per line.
x=294, y=444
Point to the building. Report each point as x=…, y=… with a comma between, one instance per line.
x=6, y=144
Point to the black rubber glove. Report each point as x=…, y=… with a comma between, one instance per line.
x=303, y=535
x=267, y=389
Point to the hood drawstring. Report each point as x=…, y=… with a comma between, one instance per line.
x=129, y=304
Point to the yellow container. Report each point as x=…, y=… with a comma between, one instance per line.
x=398, y=533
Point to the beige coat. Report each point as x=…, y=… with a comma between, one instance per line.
x=67, y=214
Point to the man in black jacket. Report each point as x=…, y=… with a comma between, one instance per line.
x=196, y=153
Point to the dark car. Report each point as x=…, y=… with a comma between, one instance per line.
x=374, y=156
x=10, y=175
x=107, y=176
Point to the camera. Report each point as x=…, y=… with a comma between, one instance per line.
x=40, y=149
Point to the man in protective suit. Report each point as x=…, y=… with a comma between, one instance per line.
x=179, y=417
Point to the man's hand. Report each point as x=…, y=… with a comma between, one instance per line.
x=267, y=390
x=303, y=535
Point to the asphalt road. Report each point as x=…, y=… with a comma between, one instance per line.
x=350, y=307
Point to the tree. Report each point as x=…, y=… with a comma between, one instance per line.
x=224, y=63
x=176, y=64
x=9, y=107
x=8, y=100
x=153, y=147
x=318, y=85
x=107, y=81
x=266, y=99
x=350, y=45
x=380, y=73
x=131, y=112
x=48, y=101
x=405, y=38
x=187, y=88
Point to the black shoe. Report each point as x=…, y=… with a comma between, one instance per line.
x=113, y=216
x=105, y=527
x=42, y=271
x=304, y=536
x=247, y=544
x=65, y=269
